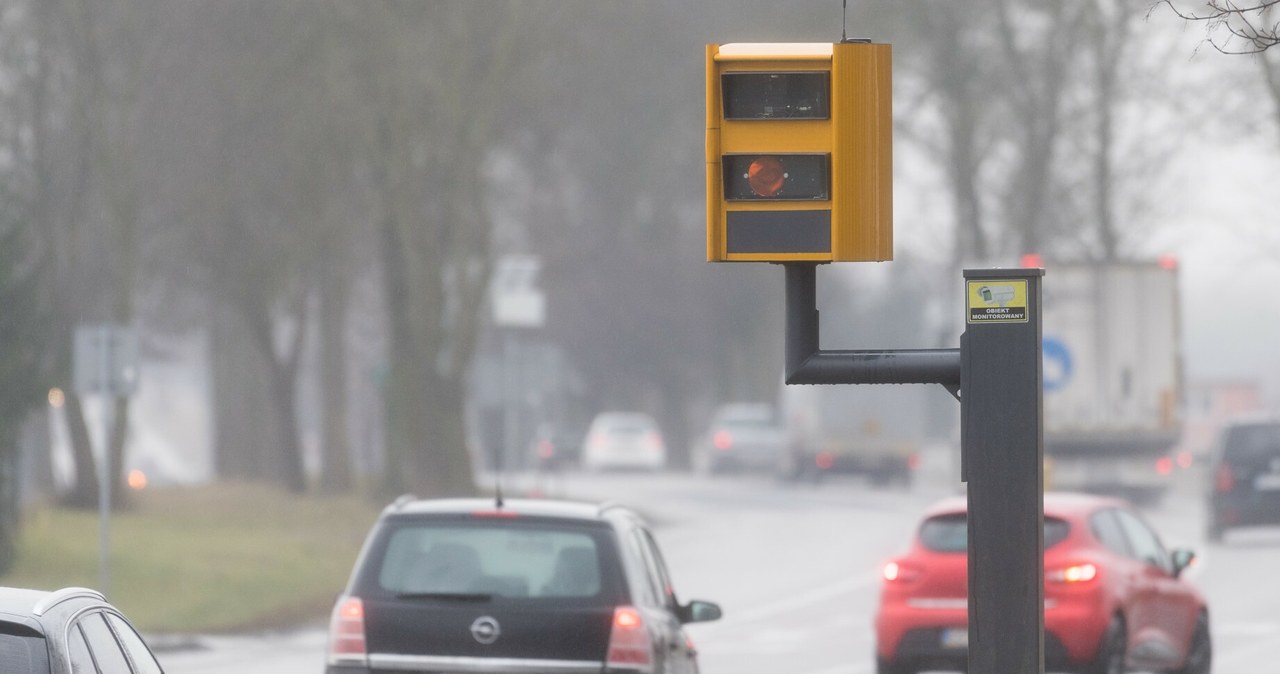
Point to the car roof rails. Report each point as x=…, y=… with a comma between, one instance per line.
x=58, y=596
x=402, y=501
x=606, y=506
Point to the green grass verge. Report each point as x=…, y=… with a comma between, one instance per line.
x=217, y=558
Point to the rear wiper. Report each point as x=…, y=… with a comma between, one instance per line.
x=448, y=596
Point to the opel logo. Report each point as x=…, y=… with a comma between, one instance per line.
x=485, y=630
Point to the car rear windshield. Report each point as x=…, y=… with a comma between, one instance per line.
x=1253, y=441
x=749, y=422
x=950, y=533
x=22, y=654
x=628, y=427
x=493, y=558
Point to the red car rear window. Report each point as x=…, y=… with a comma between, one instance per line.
x=950, y=533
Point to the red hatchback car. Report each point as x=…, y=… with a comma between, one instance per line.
x=1114, y=597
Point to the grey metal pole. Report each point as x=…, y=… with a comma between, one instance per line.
x=1002, y=449
x=105, y=353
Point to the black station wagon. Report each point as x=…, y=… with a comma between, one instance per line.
x=1245, y=475
x=521, y=587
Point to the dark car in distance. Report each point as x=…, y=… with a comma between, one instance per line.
x=1245, y=475
x=556, y=448
x=514, y=587
x=69, y=631
x=741, y=436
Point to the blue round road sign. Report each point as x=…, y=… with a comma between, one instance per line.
x=1057, y=364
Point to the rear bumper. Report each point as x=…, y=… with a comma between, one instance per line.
x=910, y=633
x=922, y=650
x=387, y=663
x=1073, y=630
x=642, y=460
x=744, y=458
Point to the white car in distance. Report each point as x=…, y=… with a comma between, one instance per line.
x=624, y=440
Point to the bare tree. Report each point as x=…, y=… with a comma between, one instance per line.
x=1249, y=27
x=84, y=65
x=434, y=80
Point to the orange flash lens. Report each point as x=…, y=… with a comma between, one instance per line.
x=765, y=176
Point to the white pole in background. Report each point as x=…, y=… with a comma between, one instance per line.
x=104, y=468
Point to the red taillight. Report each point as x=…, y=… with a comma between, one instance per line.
x=1032, y=260
x=346, y=632
x=653, y=439
x=1185, y=459
x=545, y=449
x=1224, y=480
x=913, y=462
x=897, y=573
x=824, y=460
x=629, y=645
x=1164, y=465
x=722, y=440
x=1076, y=573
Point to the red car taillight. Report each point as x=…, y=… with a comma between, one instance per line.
x=899, y=573
x=1185, y=459
x=1224, y=480
x=629, y=645
x=346, y=632
x=1076, y=573
x=722, y=440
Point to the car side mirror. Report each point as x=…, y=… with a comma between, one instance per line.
x=698, y=611
x=1182, y=558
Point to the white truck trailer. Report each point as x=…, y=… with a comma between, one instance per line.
x=1112, y=376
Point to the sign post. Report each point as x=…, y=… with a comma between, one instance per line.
x=1002, y=460
x=518, y=305
x=106, y=365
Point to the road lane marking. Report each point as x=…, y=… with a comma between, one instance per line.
x=773, y=609
x=1246, y=629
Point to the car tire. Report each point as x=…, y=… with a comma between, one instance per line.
x=1200, y=651
x=889, y=667
x=1111, y=652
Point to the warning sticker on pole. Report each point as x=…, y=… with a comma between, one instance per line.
x=997, y=301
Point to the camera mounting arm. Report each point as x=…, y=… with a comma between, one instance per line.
x=807, y=363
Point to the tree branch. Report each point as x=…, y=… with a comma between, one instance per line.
x=1249, y=23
